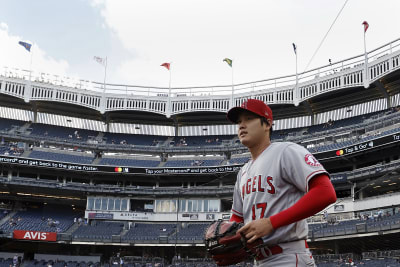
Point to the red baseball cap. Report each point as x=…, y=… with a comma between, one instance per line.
x=255, y=106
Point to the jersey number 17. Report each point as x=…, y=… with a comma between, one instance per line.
x=258, y=206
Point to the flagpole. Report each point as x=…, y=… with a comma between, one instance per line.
x=233, y=104
x=29, y=87
x=105, y=74
x=366, y=82
x=296, y=87
x=229, y=62
x=297, y=84
x=169, y=85
x=30, y=65
x=169, y=94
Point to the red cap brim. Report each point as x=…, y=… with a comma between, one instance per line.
x=233, y=113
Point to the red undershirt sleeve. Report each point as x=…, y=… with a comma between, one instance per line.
x=235, y=218
x=320, y=194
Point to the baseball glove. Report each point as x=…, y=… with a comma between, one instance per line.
x=228, y=247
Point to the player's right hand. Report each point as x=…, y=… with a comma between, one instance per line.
x=256, y=229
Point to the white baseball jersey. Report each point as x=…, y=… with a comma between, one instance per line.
x=273, y=182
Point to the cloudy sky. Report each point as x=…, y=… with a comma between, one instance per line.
x=195, y=35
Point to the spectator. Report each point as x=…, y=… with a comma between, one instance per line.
x=15, y=260
x=326, y=215
x=380, y=214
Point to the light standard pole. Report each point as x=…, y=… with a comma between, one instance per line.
x=177, y=220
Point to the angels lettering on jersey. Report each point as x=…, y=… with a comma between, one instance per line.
x=258, y=184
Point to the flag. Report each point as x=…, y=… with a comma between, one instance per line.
x=100, y=60
x=294, y=48
x=366, y=25
x=166, y=65
x=229, y=61
x=26, y=45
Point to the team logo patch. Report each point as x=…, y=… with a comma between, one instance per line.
x=311, y=160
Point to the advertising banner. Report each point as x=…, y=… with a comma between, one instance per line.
x=34, y=235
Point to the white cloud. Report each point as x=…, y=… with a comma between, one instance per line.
x=14, y=56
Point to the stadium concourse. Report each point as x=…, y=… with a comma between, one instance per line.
x=133, y=178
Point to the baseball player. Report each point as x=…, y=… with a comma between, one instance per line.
x=276, y=190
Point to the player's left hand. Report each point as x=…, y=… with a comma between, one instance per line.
x=256, y=229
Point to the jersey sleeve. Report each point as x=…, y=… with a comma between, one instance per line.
x=299, y=166
x=237, y=205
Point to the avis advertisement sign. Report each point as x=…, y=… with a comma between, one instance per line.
x=34, y=235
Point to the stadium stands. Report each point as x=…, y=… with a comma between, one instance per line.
x=334, y=129
x=98, y=231
x=47, y=219
x=11, y=149
x=3, y=213
x=8, y=124
x=45, y=131
x=60, y=263
x=134, y=139
x=354, y=226
x=336, y=146
x=59, y=156
x=239, y=159
x=129, y=162
x=62, y=133
x=145, y=232
x=6, y=262
x=193, y=162
x=200, y=141
x=327, y=260
x=192, y=232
